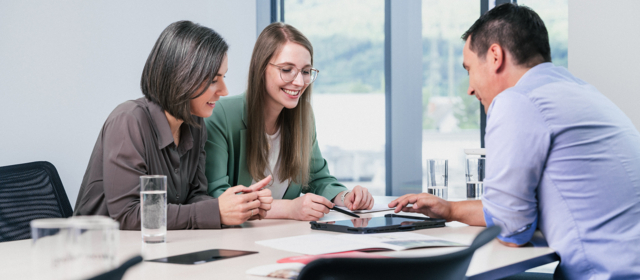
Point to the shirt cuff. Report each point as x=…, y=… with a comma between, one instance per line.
x=518, y=237
x=207, y=214
x=332, y=190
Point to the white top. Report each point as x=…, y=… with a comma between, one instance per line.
x=277, y=187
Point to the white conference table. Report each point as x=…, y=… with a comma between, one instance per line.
x=492, y=261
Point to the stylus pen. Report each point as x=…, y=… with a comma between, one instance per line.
x=344, y=212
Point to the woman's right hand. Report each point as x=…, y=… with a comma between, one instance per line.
x=309, y=207
x=237, y=204
x=264, y=195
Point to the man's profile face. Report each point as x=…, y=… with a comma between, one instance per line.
x=479, y=75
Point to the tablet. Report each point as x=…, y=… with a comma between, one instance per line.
x=388, y=223
x=203, y=256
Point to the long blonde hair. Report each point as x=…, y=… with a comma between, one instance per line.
x=296, y=125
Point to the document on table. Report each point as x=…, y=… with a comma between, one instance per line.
x=314, y=244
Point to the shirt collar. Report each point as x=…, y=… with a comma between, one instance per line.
x=530, y=72
x=534, y=70
x=164, y=136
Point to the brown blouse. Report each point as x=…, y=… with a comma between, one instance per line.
x=136, y=140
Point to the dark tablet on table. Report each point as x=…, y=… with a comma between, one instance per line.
x=203, y=256
x=388, y=223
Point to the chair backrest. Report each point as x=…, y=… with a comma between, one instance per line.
x=449, y=266
x=29, y=191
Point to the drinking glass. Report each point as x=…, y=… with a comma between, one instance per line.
x=475, y=176
x=153, y=200
x=73, y=248
x=437, y=177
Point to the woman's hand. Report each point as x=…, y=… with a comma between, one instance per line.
x=264, y=195
x=362, y=222
x=236, y=208
x=358, y=198
x=238, y=204
x=309, y=207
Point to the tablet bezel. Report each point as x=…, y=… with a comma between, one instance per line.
x=422, y=223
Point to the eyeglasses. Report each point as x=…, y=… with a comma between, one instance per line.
x=288, y=73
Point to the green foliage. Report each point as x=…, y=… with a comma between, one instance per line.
x=427, y=122
x=467, y=112
x=348, y=42
x=348, y=65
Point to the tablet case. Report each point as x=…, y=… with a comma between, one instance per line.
x=412, y=223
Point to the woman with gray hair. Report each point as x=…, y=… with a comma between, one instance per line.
x=163, y=133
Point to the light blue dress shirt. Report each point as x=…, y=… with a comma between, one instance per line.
x=563, y=158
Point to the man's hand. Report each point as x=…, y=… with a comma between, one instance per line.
x=468, y=212
x=309, y=207
x=359, y=198
x=427, y=204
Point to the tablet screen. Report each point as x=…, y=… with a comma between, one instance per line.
x=375, y=222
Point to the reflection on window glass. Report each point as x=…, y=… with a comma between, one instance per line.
x=555, y=14
x=348, y=101
x=451, y=118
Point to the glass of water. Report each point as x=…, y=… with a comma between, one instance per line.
x=438, y=177
x=153, y=200
x=475, y=176
x=75, y=248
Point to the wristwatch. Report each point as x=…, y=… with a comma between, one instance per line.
x=343, y=195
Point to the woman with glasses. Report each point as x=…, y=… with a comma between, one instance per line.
x=270, y=130
x=163, y=133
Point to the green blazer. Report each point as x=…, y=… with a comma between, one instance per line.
x=226, y=154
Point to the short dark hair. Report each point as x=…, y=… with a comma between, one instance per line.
x=184, y=57
x=517, y=29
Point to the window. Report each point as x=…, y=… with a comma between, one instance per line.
x=348, y=96
x=555, y=14
x=451, y=118
x=349, y=102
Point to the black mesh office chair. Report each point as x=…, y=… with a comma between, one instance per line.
x=29, y=191
x=449, y=266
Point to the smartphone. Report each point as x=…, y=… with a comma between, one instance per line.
x=203, y=256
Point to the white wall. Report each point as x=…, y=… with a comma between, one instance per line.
x=604, y=44
x=64, y=65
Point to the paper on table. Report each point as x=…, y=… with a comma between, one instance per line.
x=314, y=244
x=306, y=259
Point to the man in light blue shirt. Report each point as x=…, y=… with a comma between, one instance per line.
x=561, y=157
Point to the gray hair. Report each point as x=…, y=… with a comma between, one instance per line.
x=185, y=56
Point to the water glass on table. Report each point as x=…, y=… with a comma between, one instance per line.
x=475, y=176
x=438, y=177
x=153, y=208
x=73, y=248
